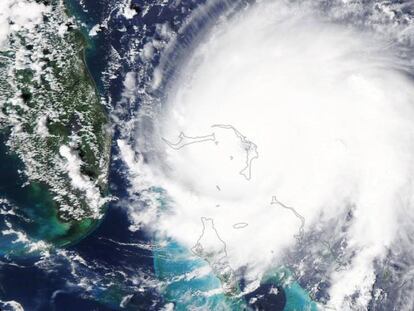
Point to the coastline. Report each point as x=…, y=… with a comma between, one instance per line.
x=33, y=195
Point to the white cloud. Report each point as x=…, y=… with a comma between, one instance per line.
x=332, y=118
x=11, y=305
x=18, y=14
x=129, y=92
x=82, y=182
x=41, y=126
x=127, y=11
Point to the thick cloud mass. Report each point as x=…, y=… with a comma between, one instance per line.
x=332, y=118
x=17, y=15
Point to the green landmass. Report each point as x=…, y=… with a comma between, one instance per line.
x=48, y=101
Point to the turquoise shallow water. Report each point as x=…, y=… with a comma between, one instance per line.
x=31, y=211
x=297, y=299
x=177, y=268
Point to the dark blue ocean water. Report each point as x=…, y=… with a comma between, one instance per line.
x=24, y=278
x=110, y=249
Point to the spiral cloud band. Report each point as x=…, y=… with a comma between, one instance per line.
x=283, y=125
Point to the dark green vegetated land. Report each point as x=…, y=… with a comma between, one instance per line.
x=54, y=128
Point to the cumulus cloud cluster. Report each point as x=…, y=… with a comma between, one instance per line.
x=331, y=112
x=18, y=14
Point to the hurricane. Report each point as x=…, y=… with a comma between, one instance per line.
x=206, y=155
